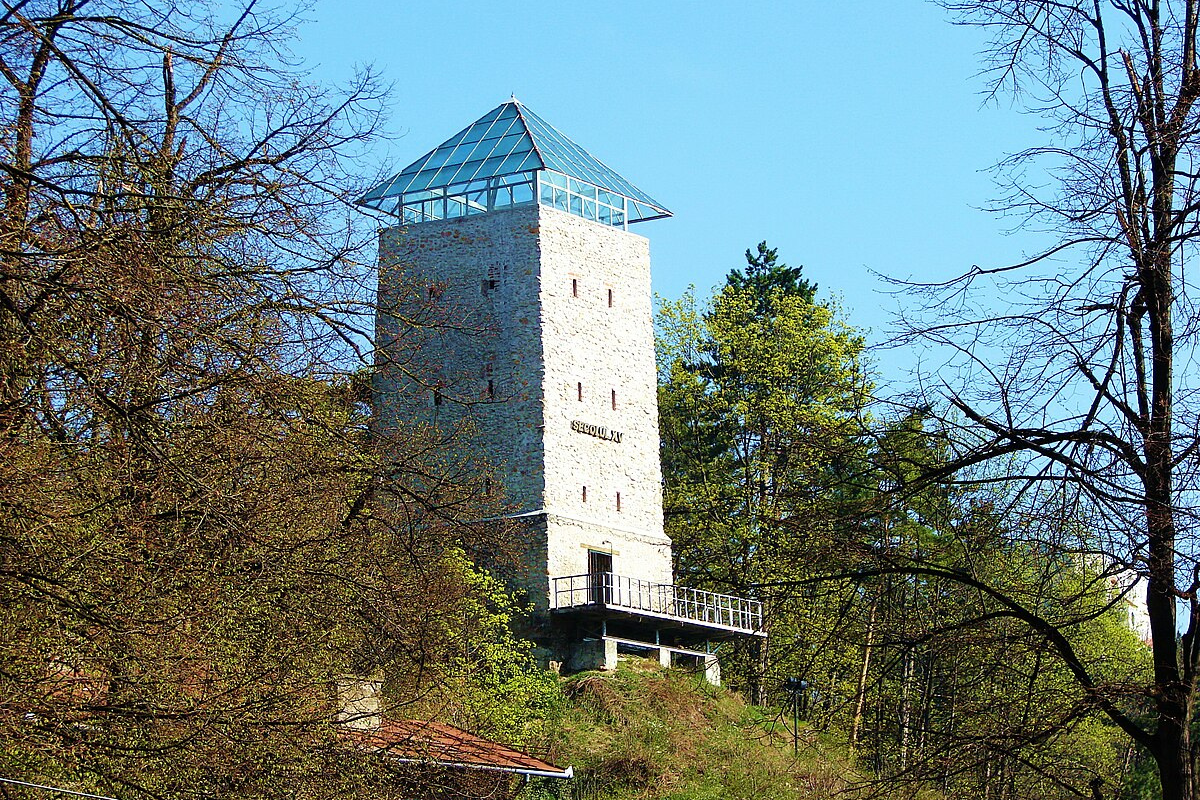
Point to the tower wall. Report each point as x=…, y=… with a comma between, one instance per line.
x=458, y=307
x=604, y=349
x=521, y=298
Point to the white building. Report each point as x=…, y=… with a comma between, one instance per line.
x=520, y=236
x=1131, y=589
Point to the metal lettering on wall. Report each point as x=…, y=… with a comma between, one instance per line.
x=598, y=431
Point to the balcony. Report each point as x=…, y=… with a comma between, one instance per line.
x=605, y=591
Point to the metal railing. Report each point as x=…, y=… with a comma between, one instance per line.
x=659, y=599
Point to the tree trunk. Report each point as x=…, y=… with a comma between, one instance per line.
x=906, y=671
x=1172, y=754
x=860, y=694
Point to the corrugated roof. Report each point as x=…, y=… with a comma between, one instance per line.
x=439, y=744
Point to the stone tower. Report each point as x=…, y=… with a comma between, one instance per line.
x=522, y=305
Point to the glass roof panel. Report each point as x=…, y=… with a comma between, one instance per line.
x=481, y=146
x=444, y=176
x=482, y=125
x=510, y=139
x=477, y=170
x=437, y=158
x=491, y=116
x=513, y=142
x=575, y=161
x=511, y=163
x=421, y=180
x=531, y=161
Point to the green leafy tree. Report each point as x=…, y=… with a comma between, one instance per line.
x=479, y=675
x=761, y=392
x=894, y=599
x=960, y=693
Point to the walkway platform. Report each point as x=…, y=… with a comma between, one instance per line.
x=607, y=595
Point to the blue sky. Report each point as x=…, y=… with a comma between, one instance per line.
x=852, y=136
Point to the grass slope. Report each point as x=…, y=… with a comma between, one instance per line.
x=645, y=732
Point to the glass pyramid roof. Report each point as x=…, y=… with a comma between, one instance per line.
x=504, y=151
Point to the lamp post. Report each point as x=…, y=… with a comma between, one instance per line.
x=796, y=688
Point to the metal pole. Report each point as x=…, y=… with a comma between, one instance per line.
x=795, y=725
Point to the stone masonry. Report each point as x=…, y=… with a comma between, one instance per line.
x=531, y=330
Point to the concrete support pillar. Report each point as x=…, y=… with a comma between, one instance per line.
x=712, y=670
x=594, y=654
x=664, y=657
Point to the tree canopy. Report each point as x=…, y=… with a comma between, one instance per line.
x=201, y=530
x=760, y=392
x=898, y=603
x=1071, y=383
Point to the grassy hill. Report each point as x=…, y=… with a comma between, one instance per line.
x=645, y=732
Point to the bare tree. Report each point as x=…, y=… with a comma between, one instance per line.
x=1072, y=376
x=197, y=529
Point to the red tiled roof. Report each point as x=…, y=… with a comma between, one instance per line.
x=447, y=746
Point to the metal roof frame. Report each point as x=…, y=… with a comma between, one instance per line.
x=510, y=146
